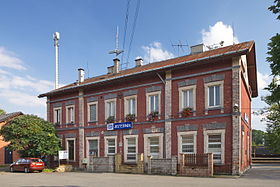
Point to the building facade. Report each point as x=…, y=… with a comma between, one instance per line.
x=197, y=103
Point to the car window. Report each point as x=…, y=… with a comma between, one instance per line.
x=36, y=160
x=18, y=161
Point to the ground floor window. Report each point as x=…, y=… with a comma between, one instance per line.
x=93, y=147
x=153, y=145
x=130, y=146
x=214, y=142
x=187, y=142
x=110, y=146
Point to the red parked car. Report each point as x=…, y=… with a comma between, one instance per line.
x=27, y=165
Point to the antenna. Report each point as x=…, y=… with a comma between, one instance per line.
x=56, y=45
x=180, y=46
x=117, y=51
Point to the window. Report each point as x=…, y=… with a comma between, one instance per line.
x=92, y=112
x=214, y=142
x=187, y=142
x=93, y=147
x=110, y=145
x=57, y=116
x=131, y=106
x=214, y=146
x=130, y=143
x=70, y=114
x=110, y=108
x=153, y=145
x=153, y=102
x=214, y=95
x=187, y=97
x=70, y=146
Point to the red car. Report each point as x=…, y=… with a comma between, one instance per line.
x=27, y=165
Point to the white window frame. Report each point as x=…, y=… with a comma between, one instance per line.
x=87, y=144
x=180, y=134
x=67, y=147
x=68, y=121
x=88, y=106
x=106, y=144
x=148, y=111
x=147, y=147
x=216, y=83
x=55, y=116
x=107, y=109
x=126, y=146
x=126, y=105
x=181, y=100
x=206, y=133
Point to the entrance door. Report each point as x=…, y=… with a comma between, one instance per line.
x=8, y=156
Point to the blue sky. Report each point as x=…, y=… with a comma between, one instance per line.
x=88, y=29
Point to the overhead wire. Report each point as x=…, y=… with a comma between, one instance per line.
x=125, y=27
x=133, y=31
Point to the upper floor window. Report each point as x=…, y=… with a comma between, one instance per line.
x=70, y=114
x=187, y=97
x=130, y=107
x=214, y=94
x=92, y=112
x=153, y=103
x=57, y=115
x=110, y=110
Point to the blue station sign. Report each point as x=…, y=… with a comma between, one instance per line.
x=117, y=126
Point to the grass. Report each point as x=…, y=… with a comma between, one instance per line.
x=47, y=170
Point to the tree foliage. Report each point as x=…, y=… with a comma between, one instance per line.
x=2, y=111
x=31, y=136
x=273, y=100
x=258, y=137
x=275, y=8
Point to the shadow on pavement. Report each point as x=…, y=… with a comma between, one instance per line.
x=265, y=171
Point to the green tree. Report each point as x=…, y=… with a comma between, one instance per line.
x=31, y=136
x=273, y=100
x=2, y=111
x=258, y=137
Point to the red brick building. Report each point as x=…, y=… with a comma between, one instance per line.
x=7, y=156
x=196, y=103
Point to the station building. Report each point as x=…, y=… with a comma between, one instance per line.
x=197, y=103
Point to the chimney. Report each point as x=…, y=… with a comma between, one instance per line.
x=81, y=75
x=116, y=65
x=138, y=61
x=110, y=69
x=197, y=49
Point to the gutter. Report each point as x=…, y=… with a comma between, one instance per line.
x=137, y=73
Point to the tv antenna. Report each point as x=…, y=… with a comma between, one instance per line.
x=179, y=46
x=117, y=51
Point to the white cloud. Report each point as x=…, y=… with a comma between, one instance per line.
x=18, y=90
x=155, y=52
x=258, y=122
x=263, y=80
x=217, y=33
x=9, y=60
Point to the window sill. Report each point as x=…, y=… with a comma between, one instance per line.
x=92, y=121
x=215, y=108
x=70, y=124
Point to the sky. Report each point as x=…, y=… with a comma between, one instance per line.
x=88, y=32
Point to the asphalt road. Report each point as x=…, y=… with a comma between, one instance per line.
x=264, y=175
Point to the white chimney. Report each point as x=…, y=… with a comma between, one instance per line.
x=81, y=74
x=116, y=65
x=197, y=49
x=138, y=61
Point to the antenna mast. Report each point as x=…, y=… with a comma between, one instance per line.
x=117, y=51
x=56, y=45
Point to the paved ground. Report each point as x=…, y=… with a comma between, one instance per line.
x=259, y=175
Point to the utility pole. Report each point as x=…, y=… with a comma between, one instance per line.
x=56, y=45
